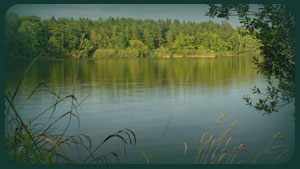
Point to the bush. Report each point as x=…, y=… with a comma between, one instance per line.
x=161, y=52
x=140, y=47
x=104, y=53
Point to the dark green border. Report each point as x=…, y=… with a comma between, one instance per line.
x=4, y=6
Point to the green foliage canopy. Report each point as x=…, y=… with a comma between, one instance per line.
x=28, y=36
x=274, y=26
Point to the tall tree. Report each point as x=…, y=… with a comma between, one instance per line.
x=62, y=37
x=274, y=26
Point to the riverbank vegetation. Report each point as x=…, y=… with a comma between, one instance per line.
x=123, y=37
x=34, y=141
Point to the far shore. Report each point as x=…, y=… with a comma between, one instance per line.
x=226, y=55
x=162, y=57
x=191, y=56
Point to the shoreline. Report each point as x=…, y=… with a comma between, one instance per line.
x=191, y=56
x=175, y=56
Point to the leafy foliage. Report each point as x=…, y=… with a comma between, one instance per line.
x=274, y=26
x=27, y=36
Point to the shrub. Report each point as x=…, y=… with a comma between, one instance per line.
x=104, y=53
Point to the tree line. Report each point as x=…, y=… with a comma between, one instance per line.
x=29, y=36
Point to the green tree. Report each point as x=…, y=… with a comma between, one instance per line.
x=94, y=39
x=12, y=24
x=170, y=37
x=148, y=39
x=31, y=38
x=62, y=38
x=183, y=43
x=140, y=47
x=274, y=26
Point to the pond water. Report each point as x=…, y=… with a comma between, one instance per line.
x=144, y=94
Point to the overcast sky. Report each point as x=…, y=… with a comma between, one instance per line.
x=188, y=12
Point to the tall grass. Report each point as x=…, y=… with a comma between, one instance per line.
x=214, y=149
x=35, y=142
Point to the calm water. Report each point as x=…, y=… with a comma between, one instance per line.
x=143, y=94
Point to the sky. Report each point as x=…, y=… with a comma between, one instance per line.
x=187, y=12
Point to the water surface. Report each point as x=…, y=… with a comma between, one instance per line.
x=142, y=94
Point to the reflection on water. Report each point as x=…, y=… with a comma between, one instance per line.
x=141, y=94
x=128, y=73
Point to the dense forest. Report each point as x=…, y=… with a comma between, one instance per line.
x=30, y=36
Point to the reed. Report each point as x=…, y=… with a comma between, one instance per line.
x=200, y=148
x=221, y=118
x=214, y=150
x=185, y=148
x=269, y=148
x=41, y=143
